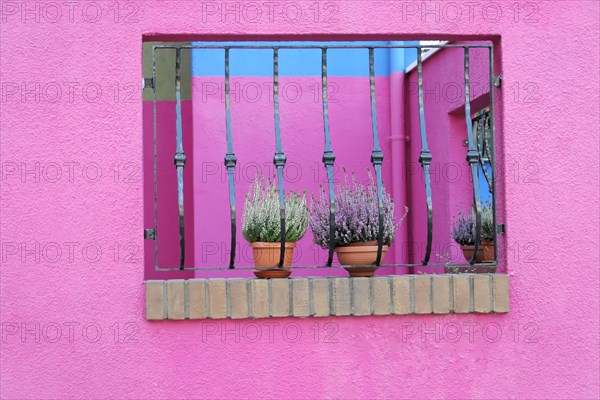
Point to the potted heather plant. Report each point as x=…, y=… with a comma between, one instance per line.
x=487, y=233
x=462, y=233
x=261, y=227
x=356, y=224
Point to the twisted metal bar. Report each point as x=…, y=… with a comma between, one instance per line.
x=480, y=129
x=472, y=159
x=180, y=157
x=486, y=145
x=230, y=161
x=279, y=158
x=425, y=157
x=456, y=266
x=328, y=158
x=377, y=154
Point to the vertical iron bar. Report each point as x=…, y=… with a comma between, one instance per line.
x=425, y=157
x=493, y=152
x=180, y=157
x=328, y=158
x=154, y=85
x=377, y=154
x=230, y=161
x=486, y=140
x=472, y=159
x=480, y=131
x=279, y=158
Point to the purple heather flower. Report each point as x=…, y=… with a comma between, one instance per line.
x=356, y=214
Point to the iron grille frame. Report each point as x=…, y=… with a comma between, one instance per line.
x=473, y=153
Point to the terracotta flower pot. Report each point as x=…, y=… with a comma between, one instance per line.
x=484, y=254
x=266, y=259
x=360, y=257
x=468, y=250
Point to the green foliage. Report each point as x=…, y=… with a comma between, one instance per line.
x=487, y=222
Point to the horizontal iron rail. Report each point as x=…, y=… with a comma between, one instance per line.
x=251, y=268
x=366, y=46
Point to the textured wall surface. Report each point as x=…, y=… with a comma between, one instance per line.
x=72, y=303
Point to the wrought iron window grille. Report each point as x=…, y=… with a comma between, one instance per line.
x=480, y=142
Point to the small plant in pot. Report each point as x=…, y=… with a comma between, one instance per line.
x=462, y=233
x=262, y=227
x=356, y=225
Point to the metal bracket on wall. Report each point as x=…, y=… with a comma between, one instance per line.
x=147, y=83
x=501, y=229
x=150, y=233
x=497, y=81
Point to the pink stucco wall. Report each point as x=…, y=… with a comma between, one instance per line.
x=74, y=326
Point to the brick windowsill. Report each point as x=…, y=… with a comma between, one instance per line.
x=236, y=298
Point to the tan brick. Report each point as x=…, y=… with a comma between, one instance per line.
x=320, y=297
x=341, y=296
x=175, y=299
x=401, y=292
x=217, y=297
x=155, y=307
x=441, y=294
x=238, y=298
x=481, y=293
x=361, y=296
x=280, y=297
x=381, y=295
x=260, y=298
x=422, y=294
x=300, y=306
x=501, y=290
x=197, y=298
x=462, y=293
